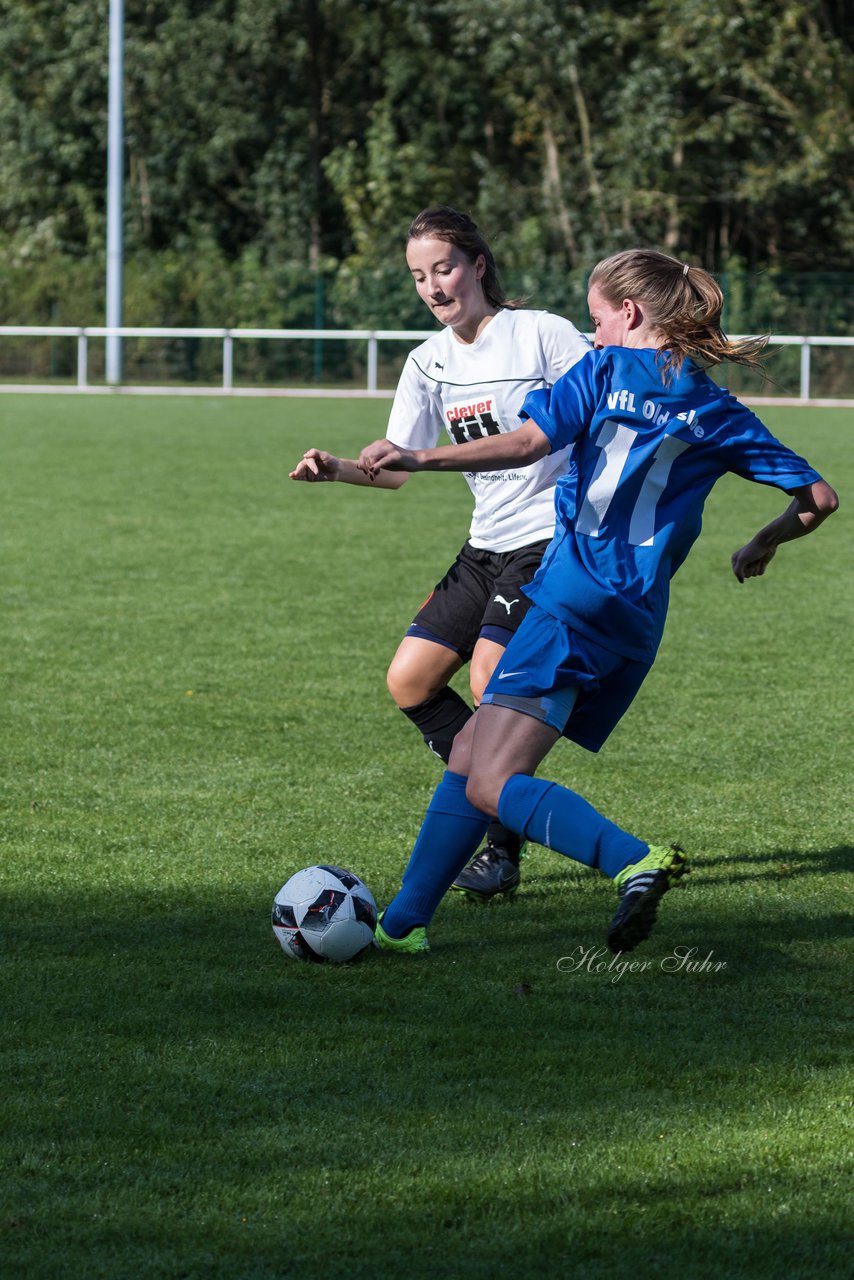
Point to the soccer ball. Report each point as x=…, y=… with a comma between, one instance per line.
x=324, y=914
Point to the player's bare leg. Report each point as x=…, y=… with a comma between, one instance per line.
x=499, y=743
x=502, y=754
x=419, y=669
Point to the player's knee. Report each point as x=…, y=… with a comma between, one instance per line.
x=479, y=673
x=458, y=760
x=482, y=792
x=478, y=680
x=406, y=686
x=484, y=660
x=395, y=686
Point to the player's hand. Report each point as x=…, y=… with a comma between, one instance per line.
x=383, y=454
x=316, y=465
x=752, y=560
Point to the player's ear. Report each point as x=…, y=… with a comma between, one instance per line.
x=631, y=313
x=479, y=267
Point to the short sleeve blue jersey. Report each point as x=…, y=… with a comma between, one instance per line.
x=630, y=505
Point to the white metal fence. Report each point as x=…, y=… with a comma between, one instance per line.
x=228, y=337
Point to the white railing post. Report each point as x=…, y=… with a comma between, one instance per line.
x=82, y=359
x=372, y=362
x=227, y=362
x=805, y=369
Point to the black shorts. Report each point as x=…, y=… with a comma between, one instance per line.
x=480, y=595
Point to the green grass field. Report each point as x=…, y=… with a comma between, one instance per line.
x=194, y=707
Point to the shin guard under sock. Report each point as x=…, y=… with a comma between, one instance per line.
x=450, y=834
x=556, y=817
x=439, y=719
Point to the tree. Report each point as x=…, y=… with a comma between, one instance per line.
x=276, y=143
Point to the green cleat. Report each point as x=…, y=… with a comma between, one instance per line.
x=414, y=942
x=641, y=885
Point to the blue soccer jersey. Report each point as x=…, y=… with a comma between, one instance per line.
x=630, y=505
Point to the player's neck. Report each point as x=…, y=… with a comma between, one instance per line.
x=645, y=336
x=470, y=329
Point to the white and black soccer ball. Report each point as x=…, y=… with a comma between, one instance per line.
x=324, y=914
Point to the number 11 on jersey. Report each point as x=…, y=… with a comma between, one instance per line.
x=616, y=442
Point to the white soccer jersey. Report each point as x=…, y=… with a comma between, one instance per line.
x=477, y=389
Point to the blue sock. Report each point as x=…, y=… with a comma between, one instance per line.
x=450, y=834
x=559, y=819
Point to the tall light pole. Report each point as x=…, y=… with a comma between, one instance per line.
x=115, y=183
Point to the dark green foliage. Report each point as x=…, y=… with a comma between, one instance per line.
x=276, y=144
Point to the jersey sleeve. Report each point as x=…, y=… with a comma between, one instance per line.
x=751, y=451
x=563, y=346
x=415, y=421
x=562, y=411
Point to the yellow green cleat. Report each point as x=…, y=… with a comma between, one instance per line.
x=414, y=942
x=641, y=885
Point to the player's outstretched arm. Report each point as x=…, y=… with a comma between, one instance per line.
x=810, y=507
x=317, y=465
x=518, y=448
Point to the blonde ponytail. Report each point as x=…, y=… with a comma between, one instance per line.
x=682, y=302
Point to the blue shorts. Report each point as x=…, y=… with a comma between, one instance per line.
x=557, y=675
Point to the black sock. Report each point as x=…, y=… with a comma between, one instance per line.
x=439, y=719
x=505, y=839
